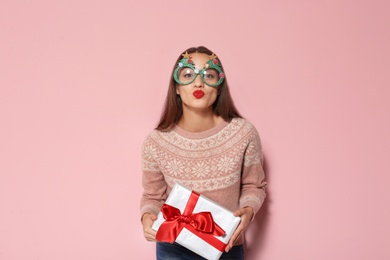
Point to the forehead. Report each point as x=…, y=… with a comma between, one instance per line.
x=199, y=59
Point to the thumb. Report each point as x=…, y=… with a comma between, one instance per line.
x=238, y=212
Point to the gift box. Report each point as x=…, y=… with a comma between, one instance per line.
x=195, y=222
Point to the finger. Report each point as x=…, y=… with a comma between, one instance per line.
x=236, y=234
x=233, y=238
x=237, y=213
x=150, y=239
x=150, y=231
x=150, y=234
x=231, y=242
x=240, y=212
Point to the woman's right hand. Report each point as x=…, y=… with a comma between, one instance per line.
x=147, y=222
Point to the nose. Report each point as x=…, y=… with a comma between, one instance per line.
x=198, y=82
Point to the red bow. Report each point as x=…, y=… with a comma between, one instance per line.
x=202, y=224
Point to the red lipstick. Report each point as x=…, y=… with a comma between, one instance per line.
x=198, y=94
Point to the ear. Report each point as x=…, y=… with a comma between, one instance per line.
x=177, y=90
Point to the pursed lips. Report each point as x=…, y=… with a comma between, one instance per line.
x=198, y=93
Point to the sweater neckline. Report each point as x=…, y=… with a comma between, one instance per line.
x=200, y=135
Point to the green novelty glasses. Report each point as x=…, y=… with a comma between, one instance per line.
x=186, y=73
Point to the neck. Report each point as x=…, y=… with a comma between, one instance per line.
x=198, y=121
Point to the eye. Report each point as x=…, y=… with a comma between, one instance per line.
x=210, y=74
x=186, y=73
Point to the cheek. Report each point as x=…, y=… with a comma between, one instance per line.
x=180, y=90
x=213, y=96
x=214, y=93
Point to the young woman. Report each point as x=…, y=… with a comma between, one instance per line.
x=203, y=143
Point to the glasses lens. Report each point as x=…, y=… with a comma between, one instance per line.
x=211, y=76
x=185, y=75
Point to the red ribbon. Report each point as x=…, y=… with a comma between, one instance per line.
x=201, y=224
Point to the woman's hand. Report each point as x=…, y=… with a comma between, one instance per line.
x=147, y=222
x=246, y=215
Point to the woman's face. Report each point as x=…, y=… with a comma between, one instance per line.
x=197, y=95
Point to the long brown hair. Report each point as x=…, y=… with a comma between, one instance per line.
x=173, y=110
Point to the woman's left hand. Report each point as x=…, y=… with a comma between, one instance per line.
x=246, y=215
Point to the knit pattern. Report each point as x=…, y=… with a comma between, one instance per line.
x=203, y=164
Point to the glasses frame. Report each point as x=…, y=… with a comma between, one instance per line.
x=186, y=63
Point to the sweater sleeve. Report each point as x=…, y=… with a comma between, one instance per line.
x=153, y=181
x=253, y=179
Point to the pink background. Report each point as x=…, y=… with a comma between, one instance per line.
x=83, y=82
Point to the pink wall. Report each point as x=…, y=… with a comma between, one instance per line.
x=83, y=82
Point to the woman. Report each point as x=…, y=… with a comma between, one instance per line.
x=203, y=143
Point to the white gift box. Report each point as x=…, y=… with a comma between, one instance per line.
x=223, y=217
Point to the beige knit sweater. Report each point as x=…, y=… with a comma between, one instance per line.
x=223, y=163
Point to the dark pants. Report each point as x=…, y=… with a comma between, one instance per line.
x=167, y=251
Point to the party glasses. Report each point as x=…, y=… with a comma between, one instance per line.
x=186, y=73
